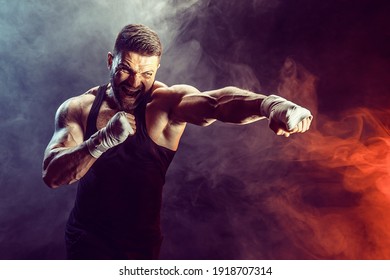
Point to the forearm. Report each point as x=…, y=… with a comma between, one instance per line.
x=234, y=105
x=63, y=166
x=67, y=160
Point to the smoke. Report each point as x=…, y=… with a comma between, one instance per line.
x=243, y=193
x=342, y=209
x=51, y=51
x=232, y=192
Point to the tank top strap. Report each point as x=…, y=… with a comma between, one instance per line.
x=93, y=114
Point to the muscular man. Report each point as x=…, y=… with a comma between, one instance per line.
x=119, y=139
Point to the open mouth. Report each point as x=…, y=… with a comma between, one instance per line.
x=130, y=91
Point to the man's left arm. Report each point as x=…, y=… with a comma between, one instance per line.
x=233, y=105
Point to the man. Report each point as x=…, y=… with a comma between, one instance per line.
x=119, y=139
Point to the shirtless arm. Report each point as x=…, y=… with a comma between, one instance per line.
x=233, y=105
x=66, y=157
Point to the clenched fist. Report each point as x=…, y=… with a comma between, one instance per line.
x=285, y=117
x=118, y=128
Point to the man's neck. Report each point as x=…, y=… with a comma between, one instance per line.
x=128, y=105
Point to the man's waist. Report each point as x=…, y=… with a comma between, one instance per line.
x=135, y=236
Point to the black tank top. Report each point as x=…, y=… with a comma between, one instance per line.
x=119, y=198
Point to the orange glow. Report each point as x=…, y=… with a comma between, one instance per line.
x=349, y=155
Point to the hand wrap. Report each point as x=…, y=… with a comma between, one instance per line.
x=116, y=131
x=281, y=110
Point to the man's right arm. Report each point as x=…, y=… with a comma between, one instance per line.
x=66, y=158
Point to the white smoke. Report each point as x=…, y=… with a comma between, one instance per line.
x=52, y=50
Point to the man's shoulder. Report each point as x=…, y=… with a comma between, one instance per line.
x=178, y=90
x=159, y=86
x=87, y=98
x=77, y=107
x=81, y=101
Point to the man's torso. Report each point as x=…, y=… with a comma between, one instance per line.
x=163, y=132
x=120, y=196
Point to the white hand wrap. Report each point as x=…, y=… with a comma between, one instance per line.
x=116, y=131
x=279, y=109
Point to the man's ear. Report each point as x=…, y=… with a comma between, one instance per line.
x=110, y=58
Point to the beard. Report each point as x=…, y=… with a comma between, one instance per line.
x=128, y=97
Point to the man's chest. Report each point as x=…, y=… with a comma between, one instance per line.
x=156, y=126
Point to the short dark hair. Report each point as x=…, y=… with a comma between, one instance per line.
x=138, y=38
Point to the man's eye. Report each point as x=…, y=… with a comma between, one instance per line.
x=124, y=70
x=148, y=74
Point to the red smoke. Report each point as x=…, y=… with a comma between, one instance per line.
x=344, y=213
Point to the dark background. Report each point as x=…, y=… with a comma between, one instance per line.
x=232, y=192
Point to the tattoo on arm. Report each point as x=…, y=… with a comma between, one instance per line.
x=62, y=116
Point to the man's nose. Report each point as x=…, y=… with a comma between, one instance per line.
x=134, y=80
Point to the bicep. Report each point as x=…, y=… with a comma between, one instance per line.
x=68, y=131
x=193, y=106
x=229, y=104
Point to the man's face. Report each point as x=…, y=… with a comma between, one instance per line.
x=131, y=76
